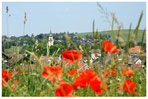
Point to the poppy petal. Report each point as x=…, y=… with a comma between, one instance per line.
x=95, y=85
x=72, y=55
x=64, y=90
x=109, y=47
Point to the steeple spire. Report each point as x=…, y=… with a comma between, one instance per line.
x=50, y=34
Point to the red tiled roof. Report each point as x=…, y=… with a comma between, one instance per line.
x=135, y=49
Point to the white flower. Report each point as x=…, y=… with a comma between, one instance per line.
x=118, y=79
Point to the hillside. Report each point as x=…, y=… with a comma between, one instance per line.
x=124, y=34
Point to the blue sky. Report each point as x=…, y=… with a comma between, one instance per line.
x=68, y=16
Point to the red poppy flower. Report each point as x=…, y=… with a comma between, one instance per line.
x=13, y=86
x=89, y=74
x=15, y=82
x=6, y=76
x=128, y=72
x=97, y=85
x=129, y=86
x=80, y=81
x=109, y=47
x=64, y=90
x=84, y=79
x=112, y=72
x=72, y=55
x=10, y=73
x=73, y=72
x=3, y=84
x=52, y=73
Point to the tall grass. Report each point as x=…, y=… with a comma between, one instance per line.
x=142, y=40
x=137, y=27
x=129, y=36
x=25, y=19
x=7, y=10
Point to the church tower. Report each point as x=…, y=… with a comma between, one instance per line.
x=50, y=40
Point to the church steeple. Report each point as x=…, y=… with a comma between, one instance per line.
x=50, y=40
x=50, y=34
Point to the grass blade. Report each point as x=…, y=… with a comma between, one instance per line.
x=118, y=34
x=143, y=36
x=128, y=41
x=137, y=27
x=86, y=55
x=93, y=29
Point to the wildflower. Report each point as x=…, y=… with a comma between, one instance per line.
x=72, y=72
x=84, y=79
x=129, y=86
x=89, y=74
x=72, y=55
x=6, y=76
x=80, y=81
x=64, y=90
x=97, y=85
x=89, y=77
x=13, y=86
x=109, y=47
x=128, y=72
x=52, y=73
x=111, y=72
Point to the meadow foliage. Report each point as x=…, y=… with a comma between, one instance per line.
x=70, y=81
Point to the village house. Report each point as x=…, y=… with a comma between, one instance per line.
x=95, y=53
x=90, y=59
x=137, y=61
x=83, y=38
x=13, y=58
x=135, y=50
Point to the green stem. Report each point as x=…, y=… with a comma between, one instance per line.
x=111, y=85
